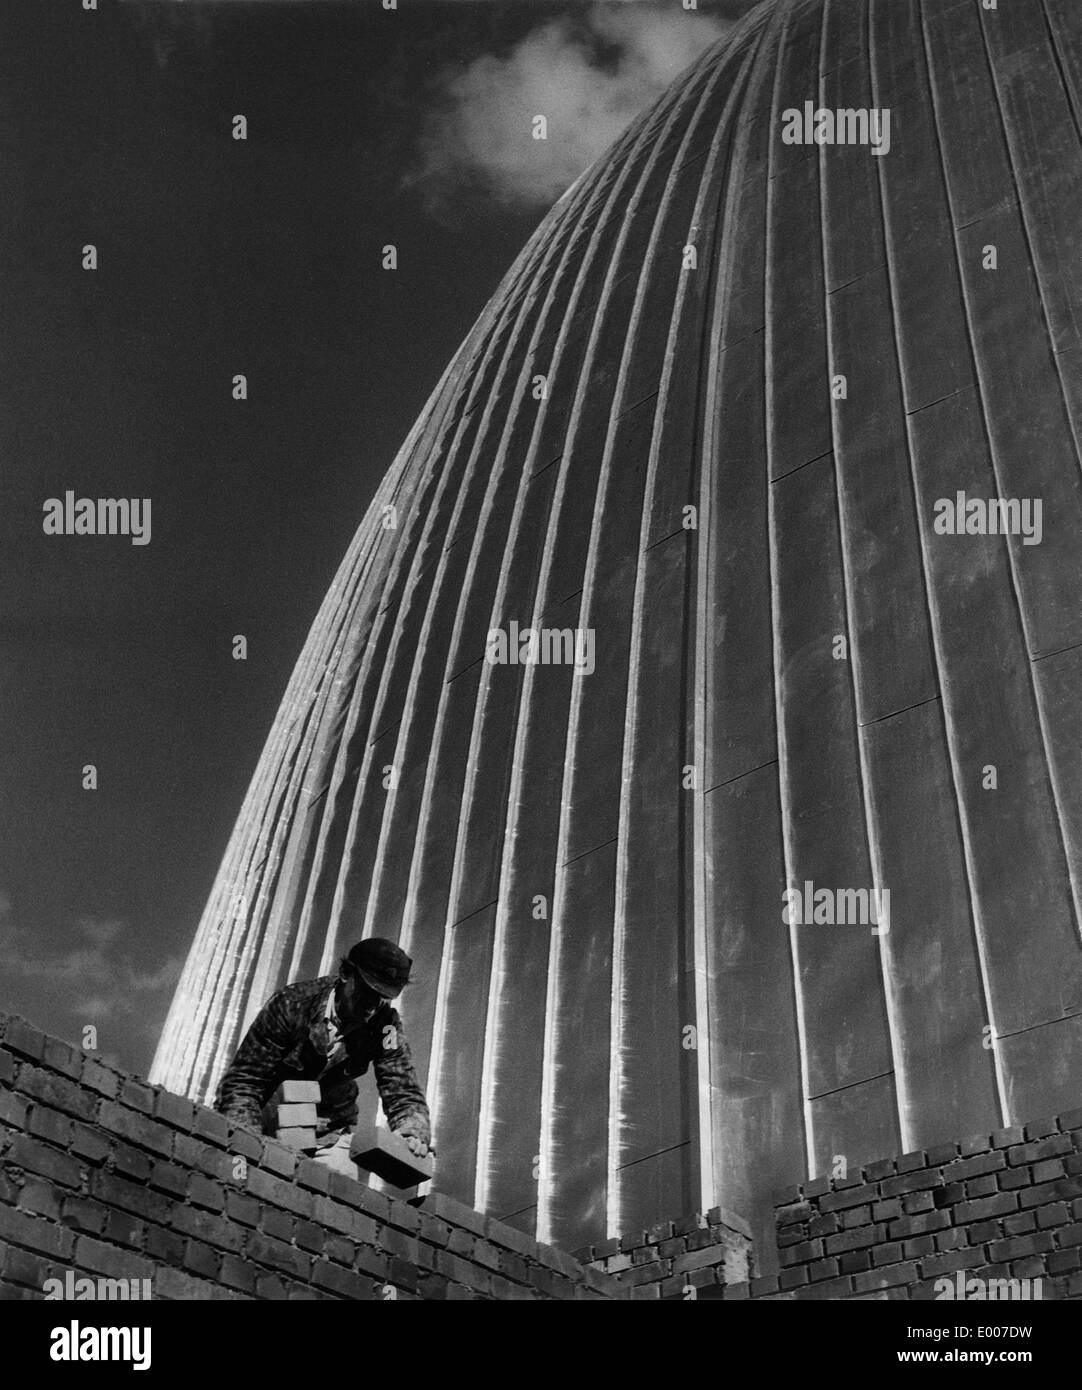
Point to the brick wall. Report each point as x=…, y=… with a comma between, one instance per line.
x=700, y=1253
x=104, y=1175
x=1001, y=1206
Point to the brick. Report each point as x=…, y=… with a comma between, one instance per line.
x=889, y=1277
x=237, y=1274
x=802, y=1253
x=50, y=1163
x=170, y=1178
x=914, y=1202
x=21, y=1038
x=698, y=1259
x=7, y=1067
x=58, y=1092
x=239, y=1207
x=208, y=1227
x=793, y=1278
x=202, y=1260
x=13, y=1109
x=1016, y=1248
x=694, y=1221
x=249, y=1145
x=1071, y=1120
x=211, y=1126
x=999, y=1205
x=164, y=1246
x=889, y=1254
x=974, y=1167
x=981, y=1187
x=263, y=1250
x=975, y=1144
x=25, y=1268
x=131, y=1162
x=1017, y=1224
x=883, y=1168
x=89, y=1142
x=1051, y=1192
x=855, y=1262
x=850, y=1197
x=137, y=1095
x=281, y=1159
x=454, y=1213
x=1058, y=1214
x=278, y=1224
x=1013, y=1179
x=910, y=1162
x=793, y=1215
x=121, y=1228
x=1037, y=1129
x=100, y=1078
x=269, y=1188
x=94, y=1255
x=39, y=1235
x=822, y=1269
x=642, y=1274
x=40, y=1198
x=950, y=1261
x=856, y=1216
x=947, y=1240
x=910, y=1182
x=942, y=1153
x=888, y=1210
x=853, y=1240
x=180, y=1287
x=1045, y=1171
x=341, y=1281
x=81, y=1214
x=919, y=1246
x=137, y=1129
x=1070, y=1236
x=918, y=1225
x=114, y=1191
x=816, y=1187
x=1007, y=1138
x=203, y=1192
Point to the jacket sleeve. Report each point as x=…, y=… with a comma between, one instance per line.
x=256, y=1069
x=402, y=1097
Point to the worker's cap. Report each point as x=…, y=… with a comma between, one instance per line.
x=382, y=965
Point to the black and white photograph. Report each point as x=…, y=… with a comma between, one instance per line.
x=541, y=665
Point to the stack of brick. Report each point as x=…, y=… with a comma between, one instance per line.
x=1006, y=1206
x=697, y=1257
x=295, y=1104
x=105, y=1176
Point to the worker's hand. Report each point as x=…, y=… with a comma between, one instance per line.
x=416, y=1145
x=415, y=1133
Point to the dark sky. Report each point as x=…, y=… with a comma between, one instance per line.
x=217, y=257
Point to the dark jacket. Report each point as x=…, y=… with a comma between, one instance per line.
x=289, y=1041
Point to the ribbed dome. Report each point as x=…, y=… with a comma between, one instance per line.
x=728, y=476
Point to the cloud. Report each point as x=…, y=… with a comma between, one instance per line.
x=89, y=974
x=589, y=75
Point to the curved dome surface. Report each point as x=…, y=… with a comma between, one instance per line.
x=705, y=423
